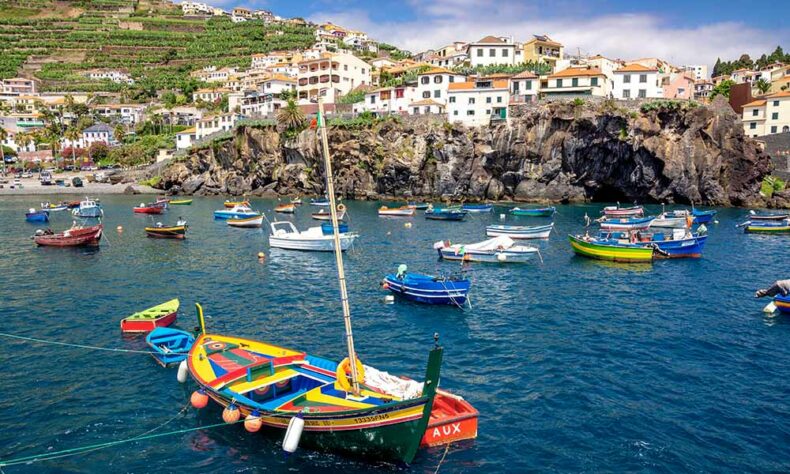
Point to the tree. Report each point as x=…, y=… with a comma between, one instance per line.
x=98, y=151
x=763, y=86
x=3, y=136
x=73, y=134
x=118, y=133
x=722, y=88
x=291, y=116
x=23, y=140
x=717, y=68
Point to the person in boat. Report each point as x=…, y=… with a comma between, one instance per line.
x=587, y=220
x=780, y=287
x=702, y=230
x=159, y=225
x=401, y=274
x=181, y=222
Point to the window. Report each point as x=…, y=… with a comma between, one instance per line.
x=499, y=99
x=626, y=94
x=488, y=100
x=755, y=112
x=455, y=112
x=642, y=93
x=785, y=129
x=753, y=125
x=643, y=78
x=437, y=79
x=425, y=80
x=504, y=53
x=776, y=103
x=363, y=70
x=681, y=91
x=488, y=111
x=775, y=116
x=515, y=87
x=594, y=82
x=373, y=99
x=398, y=93
x=452, y=99
x=559, y=82
x=345, y=67
x=773, y=129
x=471, y=100
x=528, y=85
x=492, y=52
x=470, y=112
x=627, y=79
x=575, y=82
x=437, y=93
x=452, y=78
x=479, y=52
x=426, y=95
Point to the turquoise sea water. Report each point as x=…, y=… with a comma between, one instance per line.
x=574, y=365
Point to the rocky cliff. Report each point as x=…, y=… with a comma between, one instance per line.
x=560, y=152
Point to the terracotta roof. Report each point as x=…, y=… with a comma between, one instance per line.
x=756, y=103
x=470, y=85
x=187, y=131
x=636, y=67
x=425, y=102
x=437, y=70
x=779, y=95
x=498, y=75
x=525, y=75
x=577, y=72
x=490, y=40
x=281, y=77
x=543, y=39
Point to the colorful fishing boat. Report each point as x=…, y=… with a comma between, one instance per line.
x=160, y=231
x=767, y=227
x=428, y=289
x=169, y=346
x=327, y=229
x=617, y=211
x=445, y=214
x=50, y=207
x=151, y=208
x=237, y=212
x=161, y=315
x=478, y=207
x=519, y=231
x=677, y=243
x=75, y=237
x=534, y=212
x=246, y=222
x=500, y=249
x=607, y=250
x=33, y=215
x=625, y=223
x=285, y=208
x=452, y=419
x=285, y=236
x=782, y=303
x=89, y=208
x=181, y=202
x=231, y=204
x=753, y=216
x=319, y=201
x=403, y=211
x=702, y=217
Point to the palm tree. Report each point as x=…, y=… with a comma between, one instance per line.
x=73, y=134
x=290, y=116
x=763, y=86
x=23, y=140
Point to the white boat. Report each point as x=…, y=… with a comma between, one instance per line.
x=520, y=232
x=499, y=249
x=324, y=215
x=88, y=208
x=237, y=212
x=255, y=221
x=673, y=220
x=285, y=236
x=403, y=211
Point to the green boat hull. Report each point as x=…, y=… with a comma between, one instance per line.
x=611, y=253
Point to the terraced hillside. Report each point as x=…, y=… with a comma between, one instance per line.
x=57, y=41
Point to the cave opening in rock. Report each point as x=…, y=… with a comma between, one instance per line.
x=609, y=193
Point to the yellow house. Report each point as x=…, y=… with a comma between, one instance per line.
x=541, y=48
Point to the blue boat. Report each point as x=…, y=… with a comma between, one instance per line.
x=89, y=208
x=428, y=289
x=326, y=228
x=702, y=217
x=420, y=206
x=445, y=214
x=236, y=212
x=534, y=212
x=169, y=346
x=319, y=202
x=782, y=303
x=677, y=244
x=37, y=216
x=478, y=207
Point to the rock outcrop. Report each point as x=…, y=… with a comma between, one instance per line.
x=560, y=152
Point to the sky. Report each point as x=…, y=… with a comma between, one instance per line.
x=681, y=32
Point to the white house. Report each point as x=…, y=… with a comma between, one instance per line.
x=492, y=50
x=119, y=77
x=576, y=82
x=129, y=114
x=186, y=138
x=637, y=82
x=434, y=84
x=210, y=95
x=277, y=84
x=388, y=100
x=476, y=103
x=698, y=71
x=215, y=123
x=101, y=132
x=524, y=87
x=330, y=76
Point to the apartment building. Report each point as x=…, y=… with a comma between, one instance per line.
x=331, y=76
x=476, y=103
x=388, y=100
x=19, y=86
x=576, y=82
x=541, y=48
x=768, y=115
x=215, y=123
x=492, y=50
x=119, y=77
x=210, y=95
x=637, y=82
x=129, y=114
x=435, y=82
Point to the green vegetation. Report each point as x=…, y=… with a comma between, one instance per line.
x=771, y=185
x=152, y=182
x=746, y=62
x=667, y=105
x=722, y=88
x=357, y=95
x=395, y=53
x=537, y=68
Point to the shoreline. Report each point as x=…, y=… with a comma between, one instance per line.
x=32, y=187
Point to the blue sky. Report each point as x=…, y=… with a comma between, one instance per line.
x=680, y=31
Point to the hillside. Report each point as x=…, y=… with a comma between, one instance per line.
x=57, y=41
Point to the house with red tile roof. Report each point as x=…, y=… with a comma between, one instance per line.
x=636, y=81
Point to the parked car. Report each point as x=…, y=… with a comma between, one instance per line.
x=76, y=182
x=46, y=178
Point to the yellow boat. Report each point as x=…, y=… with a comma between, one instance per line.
x=181, y=202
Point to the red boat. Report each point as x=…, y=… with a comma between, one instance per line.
x=74, y=237
x=149, y=209
x=452, y=419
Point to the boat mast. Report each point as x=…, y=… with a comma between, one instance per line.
x=341, y=274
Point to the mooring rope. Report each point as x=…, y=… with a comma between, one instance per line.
x=68, y=344
x=442, y=459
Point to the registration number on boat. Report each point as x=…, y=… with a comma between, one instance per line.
x=370, y=419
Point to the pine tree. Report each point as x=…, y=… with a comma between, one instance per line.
x=717, y=68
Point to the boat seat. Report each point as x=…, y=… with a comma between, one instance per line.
x=274, y=403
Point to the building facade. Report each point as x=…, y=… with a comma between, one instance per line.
x=434, y=84
x=491, y=50
x=477, y=103
x=767, y=116
x=331, y=76
x=637, y=82
x=543, y=49
x=576, y=82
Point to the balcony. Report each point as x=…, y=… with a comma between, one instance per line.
x=323, y=79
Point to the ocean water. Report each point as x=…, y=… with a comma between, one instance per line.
x=575, y=365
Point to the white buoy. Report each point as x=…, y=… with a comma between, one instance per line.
x=770, y=308
x=293, y=434
x=502, y=217
x=716, y=222
x=183, y=371
x=389, y=299
x=407, y=225
x=501, y=257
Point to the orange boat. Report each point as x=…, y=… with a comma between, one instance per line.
x=452, y=419
x=230, y=204
x=285, y=208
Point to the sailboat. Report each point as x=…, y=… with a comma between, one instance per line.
x=315, y=402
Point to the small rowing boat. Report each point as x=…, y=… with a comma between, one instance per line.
x=445, y=214
x=782, y=303
x=160, y=231
x=477, y=207
x=597, y=249
x=427, y=289
x=33, y=215
x=702, y=217
x=46, y=206
x=319, y=202
x=152, y=208
x=74, y=237
x=677, y=243
x=289, y=208
x=500, y=249
x=617, y=211
x=232, y=204
x=285, y=236
x=520, y=232
x=161, y=315
x=181, y=202
x=626, y=223
x=403, y=211
x=325, y=215
x=237, y=212
x=767, y=227
x=297, y=201
x=169, y=346
x=534, y=212
x=768, y=217
x=246, y=222
x=678, y=219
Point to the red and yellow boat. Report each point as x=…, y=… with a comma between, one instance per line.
x=232, y=204
x=161, y=315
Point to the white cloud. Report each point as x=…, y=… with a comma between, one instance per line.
x=625, y=36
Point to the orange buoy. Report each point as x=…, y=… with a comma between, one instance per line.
x=199, y=399
x=231, y=414
x=253, y=422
